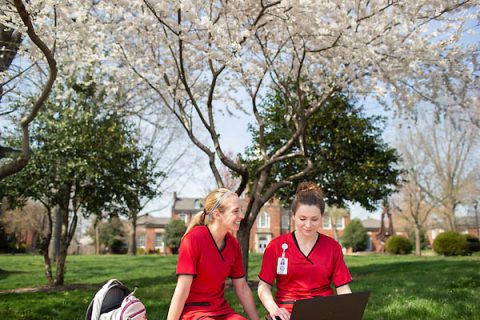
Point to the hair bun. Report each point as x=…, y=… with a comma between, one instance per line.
x=309, y=186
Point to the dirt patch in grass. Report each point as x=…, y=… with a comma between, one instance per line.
x=67, y=287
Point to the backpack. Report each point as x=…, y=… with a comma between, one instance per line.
x=115, y=302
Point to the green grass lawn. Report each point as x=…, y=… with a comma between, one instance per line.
x=402, y=287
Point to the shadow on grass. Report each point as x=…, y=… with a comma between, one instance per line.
x=71, y=301
x=4, y=274
x=425, y=289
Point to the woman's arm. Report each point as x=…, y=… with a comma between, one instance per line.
x=265, y=295
x=180, y=295
x=345, y=289
x=244, y=295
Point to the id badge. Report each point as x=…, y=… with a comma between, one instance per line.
x=282, y=265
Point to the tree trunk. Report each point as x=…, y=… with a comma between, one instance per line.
x=97, y=239
x=450, y=209
x=57, y=230
x=47, y=267
x=132, y=248
x=335, y=231
x=60, y=272
x=44, y=249
x=62, y=252
x=243, y=236
x=96, y=227
x=418, y=249
x=68, y=231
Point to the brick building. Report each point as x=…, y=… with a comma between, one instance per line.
x=151, y=234
x=373, y=227
x=272, y=221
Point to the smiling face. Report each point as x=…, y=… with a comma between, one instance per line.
x=231, y=213
x=307, y=219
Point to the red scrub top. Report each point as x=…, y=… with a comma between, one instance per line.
x=199, y=256
x=308, y=275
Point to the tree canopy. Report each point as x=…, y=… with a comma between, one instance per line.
x=87, y=159
x=350, y=160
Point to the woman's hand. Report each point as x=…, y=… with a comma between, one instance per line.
x=278, y=313
x=265, y=295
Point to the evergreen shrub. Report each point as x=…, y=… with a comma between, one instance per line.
x=397, y=244
x=473, y=243
x=450, y=243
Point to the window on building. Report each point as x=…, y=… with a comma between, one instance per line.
x=326, y=222
x=369, y=244
x=262, y=244
x=340, y=223
x=141, y=241
x=197, y=204
x=159, y=240
x=263, y=221
x=285, y=221
x=183, y=216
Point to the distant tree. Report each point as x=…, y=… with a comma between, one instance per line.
x=411, y=203
x=174, y=233
x=30, y=218
x=335, y=213
x=350, y=160
x=355, y=236
x=111, y=234
x=442, y=158
x=412, y=236
x=142, y=185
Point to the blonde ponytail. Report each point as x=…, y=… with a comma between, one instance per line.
x=213, y=201
x=197, y=220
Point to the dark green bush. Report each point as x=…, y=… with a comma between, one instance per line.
x=473, y=243
x=355, y=236
x=117, y=246
x=398, y=245
x=173, y=234
x=450, y=243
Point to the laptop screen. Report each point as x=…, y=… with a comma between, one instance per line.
x=337, y=307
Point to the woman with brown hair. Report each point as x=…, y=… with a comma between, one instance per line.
x=209, y=254
x=303, y=263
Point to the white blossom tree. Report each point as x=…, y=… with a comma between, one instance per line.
x=201, y=58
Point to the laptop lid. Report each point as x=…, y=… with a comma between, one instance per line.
x=337, y=307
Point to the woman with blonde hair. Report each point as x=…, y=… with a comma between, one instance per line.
x=208, y=254
x=304, y=263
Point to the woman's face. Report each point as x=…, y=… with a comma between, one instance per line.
x=232, y=214
x=307, y=220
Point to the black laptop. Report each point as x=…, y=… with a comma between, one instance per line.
x=337, y=307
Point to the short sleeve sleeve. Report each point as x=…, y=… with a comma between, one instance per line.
x=237, y=270
x=341, y=275
x=188, y=255
x=268, y=271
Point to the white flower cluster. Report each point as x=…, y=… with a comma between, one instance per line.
x=192, y=52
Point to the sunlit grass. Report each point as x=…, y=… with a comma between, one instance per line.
x=402, y=287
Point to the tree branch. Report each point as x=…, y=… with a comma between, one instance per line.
x=19, y=163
